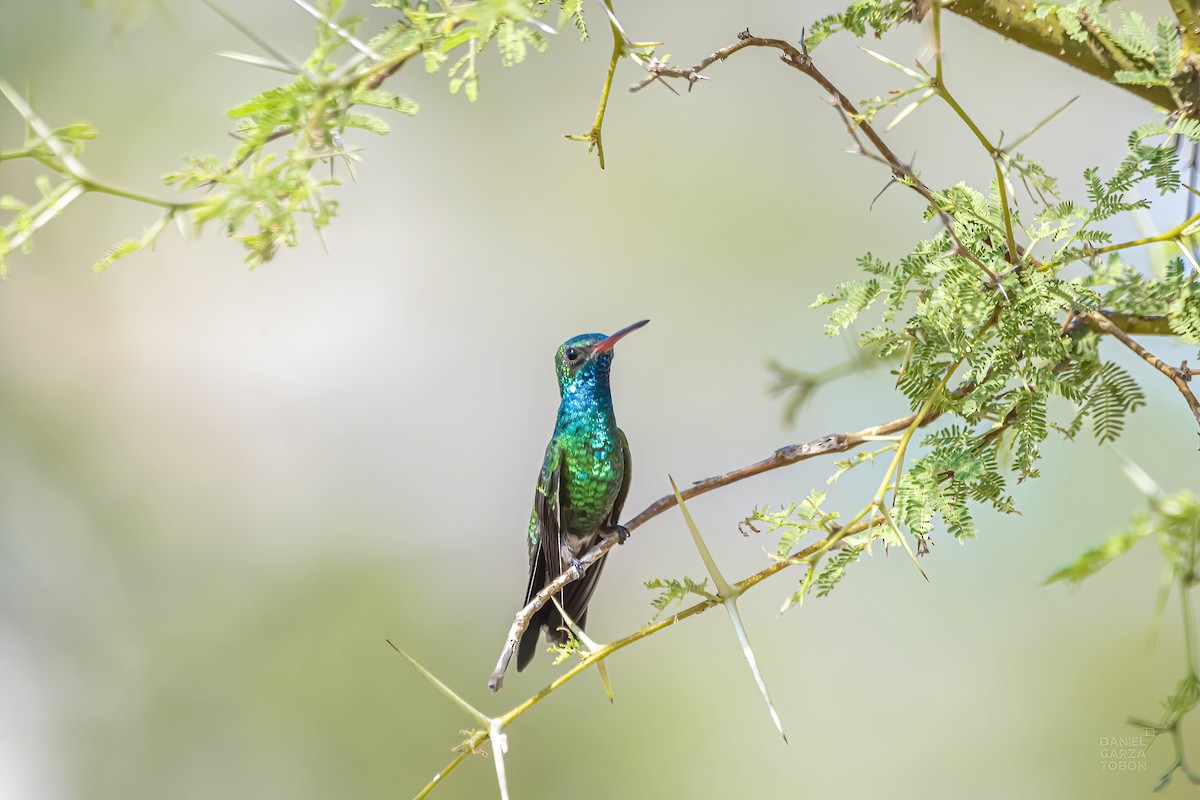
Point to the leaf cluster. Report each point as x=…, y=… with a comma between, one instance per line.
x=292, y=138
x=878, y=16
x=1153, y=49
x=791, y=522
x=676, y=591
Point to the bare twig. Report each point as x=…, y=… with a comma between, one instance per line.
x=1180, y=376
x=801, y=61
x=623, y=46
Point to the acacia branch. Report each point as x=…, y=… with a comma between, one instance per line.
x=804, y=556
x=833, y=443
x=808, y=555
x=783, y=457
x=595, y=136
x=801, y=61
x=1180, y=376
x=1115, y=325
x=1136, y=324
x=1009, y=18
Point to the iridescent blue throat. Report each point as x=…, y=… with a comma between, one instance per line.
x=586, y=394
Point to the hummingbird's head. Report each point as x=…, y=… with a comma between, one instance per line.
x=588, y=356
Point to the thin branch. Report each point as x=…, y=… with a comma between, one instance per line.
x=594, y=137
x=266, y=46
x=389, y=68
x=808, y=555
x=1013, y=145
x=1174, y=234
x=802, y=62
x=993, y=153
x=50, y=207
x=792, y=454
x=804, y=556
x=622, y=46
x=1136, y=324
x=938, y=84
x=783, y=457
x=936, y=9
x=1179, y=376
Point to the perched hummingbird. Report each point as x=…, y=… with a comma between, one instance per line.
x=582, y=487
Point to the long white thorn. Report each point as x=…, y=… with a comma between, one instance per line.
x=724, y=590
x=499, y=748
x=588, y=643
x=729, y=596
x=340, y=31
x=738, y=628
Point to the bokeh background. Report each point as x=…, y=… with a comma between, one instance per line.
x=221, y=489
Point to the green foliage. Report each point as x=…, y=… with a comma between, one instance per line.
x=572, y=11
x=263, y=192
x=876, y=15
x=316, y=110
x=987, y=325
x=835, y=567
x=1100, y=557
x=1012, y=336
x=676, y=591
x=991, y=316
x=1112, y=393
x=791, y=522
x=1175, y=295
x=562, y=652
x=1156, y=49
x=853, y=298
x=19, y=219
x=797, y=385
x=859, y=458
x=131, y=246
x=1176, y=706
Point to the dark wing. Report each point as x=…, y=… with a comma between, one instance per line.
x=545, y=558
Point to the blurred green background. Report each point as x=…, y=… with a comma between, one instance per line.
x=220, y=490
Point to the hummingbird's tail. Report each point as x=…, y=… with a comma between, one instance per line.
x=546, y=617
x=574, y=600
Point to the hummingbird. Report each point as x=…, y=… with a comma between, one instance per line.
x=582, y=486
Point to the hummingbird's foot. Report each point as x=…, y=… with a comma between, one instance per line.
x=619, y=531
x=578, y=565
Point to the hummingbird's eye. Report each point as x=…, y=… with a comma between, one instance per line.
x=572, y=354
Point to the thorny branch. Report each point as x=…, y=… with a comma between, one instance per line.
x=800, y=60
x=784, y=456
x=477, y=738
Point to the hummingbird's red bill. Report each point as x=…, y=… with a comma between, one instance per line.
x=607, y=344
